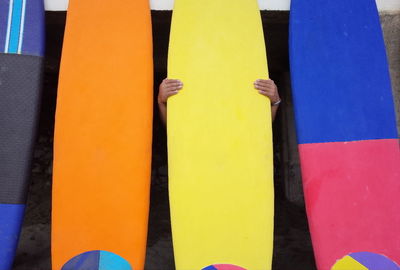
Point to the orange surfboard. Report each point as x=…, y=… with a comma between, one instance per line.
x=102, y=151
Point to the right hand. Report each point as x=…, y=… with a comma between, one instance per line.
x=168, y=87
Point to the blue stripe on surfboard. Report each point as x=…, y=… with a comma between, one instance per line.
x=34, y=35
x=11, y=216
x=340, y=78
x=4, y=8
x=32, y=40
x=16, y=26
x=111, y=261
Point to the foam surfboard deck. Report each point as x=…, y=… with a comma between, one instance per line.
x=21, y=57
x=346, y=128
x=102, y=152
x=219, y=138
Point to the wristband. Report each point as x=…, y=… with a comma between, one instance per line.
x=276, y=103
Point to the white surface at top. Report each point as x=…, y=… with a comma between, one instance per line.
x=383, y=5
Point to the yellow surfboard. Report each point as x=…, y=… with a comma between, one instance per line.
x=219, y=138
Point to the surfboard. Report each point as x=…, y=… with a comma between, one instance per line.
x=21, y=57
x=219, y=138
x=346, y=129
x=103, y=133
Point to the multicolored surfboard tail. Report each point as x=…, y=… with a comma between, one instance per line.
x=97, y=260
x=346, y=129
x=21, y=57
x=365, y=261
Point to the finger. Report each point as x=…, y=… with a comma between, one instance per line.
x=265, y=93
x=265, y=82
x=173, y=81
x=173, y=88
x=262, y=81
x=172, y=93
x=174, y=85
x=262, y=92
x=169, y=85
x=264, y=87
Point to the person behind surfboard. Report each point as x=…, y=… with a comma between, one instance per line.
x=170, y=87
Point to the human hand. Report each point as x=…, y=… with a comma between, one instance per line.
x=168, y=87
x=268, y=88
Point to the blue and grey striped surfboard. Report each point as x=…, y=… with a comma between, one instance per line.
x=21, y=57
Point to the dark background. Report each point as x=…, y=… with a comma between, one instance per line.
x=292, y=246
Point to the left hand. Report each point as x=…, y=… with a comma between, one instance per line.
x=267, y=88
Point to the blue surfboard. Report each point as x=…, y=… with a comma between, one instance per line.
x=21, y=58
x=346, y=130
